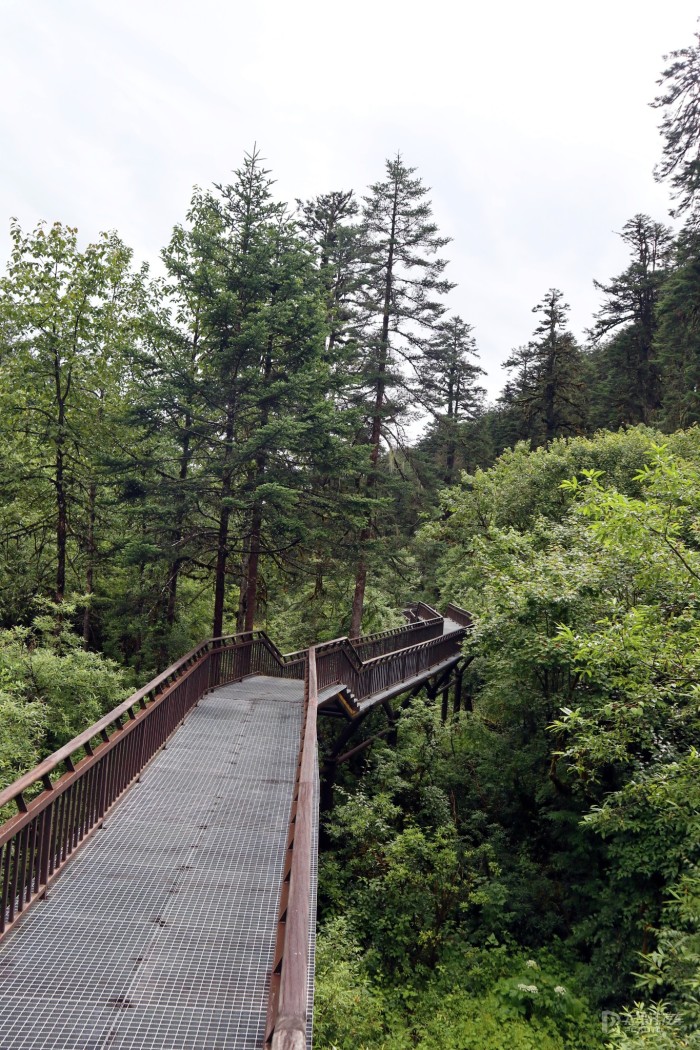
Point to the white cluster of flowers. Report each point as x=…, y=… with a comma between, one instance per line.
x=531, y=988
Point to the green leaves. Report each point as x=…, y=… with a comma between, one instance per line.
x=50, y=690
x=585, y=586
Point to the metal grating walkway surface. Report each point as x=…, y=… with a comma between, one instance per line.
x=160, y=934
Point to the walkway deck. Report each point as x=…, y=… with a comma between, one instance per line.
x=160, y=934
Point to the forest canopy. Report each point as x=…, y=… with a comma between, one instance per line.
x=286, y=428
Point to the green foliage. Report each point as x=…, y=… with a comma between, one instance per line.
x=561, y=816
x=545, y=395
x=676, y=341
x=301, y=617
x=51, y=688
x=648, y=1027
x=629, y=389
x=585, y=675
x=233, y=436
x=348, y=1009
x=475, y=999
x=22, y=730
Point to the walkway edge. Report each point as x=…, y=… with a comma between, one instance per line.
x=288, y=1027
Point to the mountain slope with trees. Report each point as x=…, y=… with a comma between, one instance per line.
x=229, y=445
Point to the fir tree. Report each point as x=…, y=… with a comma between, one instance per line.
x=631, y=388
x=262, y=379
x=677, y=337
x=330, y=223
x=679, y=102
x=399, y=304
x=450, y=390
x=548, y=388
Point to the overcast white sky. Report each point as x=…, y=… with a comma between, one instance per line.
x=529, y=120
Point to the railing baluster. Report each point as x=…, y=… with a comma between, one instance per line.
x=5, y=852
x=18, y=851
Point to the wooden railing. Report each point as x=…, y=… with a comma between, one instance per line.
x=338, y=661
x=66, y=797
x=417, y=611
x=289, y=984
x=460, y=616
x=369, y=646
x=341, y=664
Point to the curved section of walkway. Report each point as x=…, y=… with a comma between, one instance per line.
x=160, y=934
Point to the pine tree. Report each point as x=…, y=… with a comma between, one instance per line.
x=548, y=388
x=449, y=388
x=262, y=376
x=163, y=484
x=237, y=253
x=516, y=420
x=329, y=222
x=399, y=304
x=679, y=102
x=632, y=387
x=677, y=337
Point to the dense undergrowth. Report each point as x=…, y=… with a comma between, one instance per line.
x=51, y=688
x=528, y=873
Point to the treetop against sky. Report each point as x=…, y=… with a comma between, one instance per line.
x=530, y=123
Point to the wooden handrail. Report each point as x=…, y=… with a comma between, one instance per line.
x=459, y=615
x=425, y=611
x=287, y=1024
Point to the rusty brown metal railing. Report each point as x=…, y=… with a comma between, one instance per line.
x=340, y=664
x=66, y=797
x=339, y=660
x=289, y=985
x=460, y=616
x=418, y=611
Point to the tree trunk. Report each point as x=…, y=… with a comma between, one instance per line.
x=177, y=562
x=248, y=605
x=60, y=479
x=222, y=537
x=61, y=525
x=358, y=600
x=251, y=580
x=91, y=551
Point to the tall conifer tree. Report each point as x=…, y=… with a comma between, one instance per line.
x=548, y=389
x=448, y=378
x=400, y=304
x=631, y=385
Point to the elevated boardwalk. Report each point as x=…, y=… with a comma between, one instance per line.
x=158, y=880
x=160, y=934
